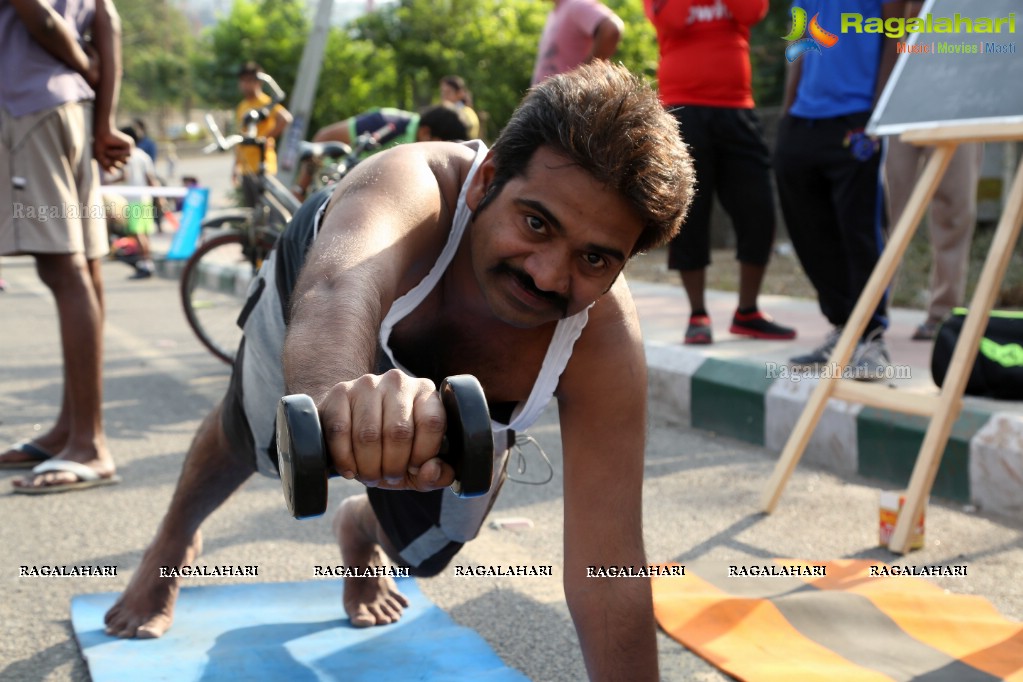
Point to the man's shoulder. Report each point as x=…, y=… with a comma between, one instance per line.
x=612, y=322
x=419, y=173
x=588, y=6
x=449, y=161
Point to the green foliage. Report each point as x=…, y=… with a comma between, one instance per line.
x=397, y=55
x=156, y=44
x=767, y=54
x=638, y=49
x=393, y=57
x=270, y=32
x=490, y=43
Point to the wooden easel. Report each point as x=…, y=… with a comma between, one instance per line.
x=942, y=409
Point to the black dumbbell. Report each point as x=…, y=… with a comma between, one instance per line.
x=468, y=446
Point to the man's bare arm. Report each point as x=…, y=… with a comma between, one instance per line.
x=337, y=132
x=793, y=73
x=889, y=53
x=53, y=34
x=355, y=267
x=111, y=147
x=602, y=405
x=606, y=38
x=387, y=219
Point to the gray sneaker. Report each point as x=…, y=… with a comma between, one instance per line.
x=820, y=355
x=870, y=360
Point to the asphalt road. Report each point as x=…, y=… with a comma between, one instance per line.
x=700, y=501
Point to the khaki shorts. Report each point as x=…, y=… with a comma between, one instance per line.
x=51, y=183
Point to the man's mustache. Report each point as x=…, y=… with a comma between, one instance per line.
x=555, y=299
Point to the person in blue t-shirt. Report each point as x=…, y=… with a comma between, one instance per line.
x=828, y=171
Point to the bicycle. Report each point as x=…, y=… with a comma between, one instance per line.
x=216, y=277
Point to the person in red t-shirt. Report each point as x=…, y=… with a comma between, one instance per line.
x=705, y=81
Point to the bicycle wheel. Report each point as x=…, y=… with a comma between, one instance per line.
x=213, y=286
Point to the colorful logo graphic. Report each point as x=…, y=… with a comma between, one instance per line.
x=798, y=44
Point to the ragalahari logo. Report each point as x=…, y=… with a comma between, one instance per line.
x=798, y=44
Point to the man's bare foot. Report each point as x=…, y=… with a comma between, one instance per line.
x=367, y=601
x=146, y=608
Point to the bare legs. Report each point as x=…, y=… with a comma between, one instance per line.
x=77, y=435
x=695, y=284
x=367, y=601
x=750, y=279
x=212, y=472
x=748, y=320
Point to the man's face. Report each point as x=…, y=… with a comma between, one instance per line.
x=249, y=85
x=449, y=94
x=550, y=243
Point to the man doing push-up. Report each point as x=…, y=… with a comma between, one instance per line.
x=438, y=258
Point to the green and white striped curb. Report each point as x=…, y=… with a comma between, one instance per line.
x=227, y=279
x=982, y=463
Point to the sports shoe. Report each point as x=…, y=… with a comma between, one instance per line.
x=699, y=331
x=870, y=360
x=759, y=326
x=821, y=354
x=926, y=331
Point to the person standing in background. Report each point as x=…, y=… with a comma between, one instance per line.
x=576, y=32
x=952, y=219
x=828, y=172
x=454, y=91
x=246, y=169
x=58, y=99
x=144, y=142
x=705, y=81
x=136, y=213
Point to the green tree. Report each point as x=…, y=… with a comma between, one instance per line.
x=490, y=43
x=156, y=45
x=767, y=54
x=270, y=32
x=638, y=49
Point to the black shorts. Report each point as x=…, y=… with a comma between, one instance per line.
x=732, y=162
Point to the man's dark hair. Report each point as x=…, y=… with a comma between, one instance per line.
x=250, y=69
x=131, y=132
x=444, y=122
x=611, y=124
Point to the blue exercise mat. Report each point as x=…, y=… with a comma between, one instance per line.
x=190, y=228
x=286, y=631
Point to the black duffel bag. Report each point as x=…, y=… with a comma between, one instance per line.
x=998, y=369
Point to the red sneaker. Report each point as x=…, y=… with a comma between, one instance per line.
x=759, y=326
x=699, y=331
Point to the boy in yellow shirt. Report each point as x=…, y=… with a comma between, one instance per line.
x=246, y=165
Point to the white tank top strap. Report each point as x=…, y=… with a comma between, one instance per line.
x=558, y=353
x=407, y=303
